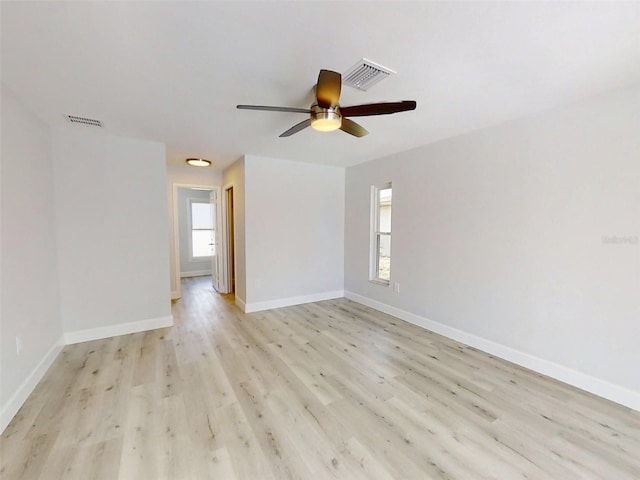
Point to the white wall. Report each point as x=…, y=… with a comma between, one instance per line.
x=204, y=177
x=294, y=232
x=498, y=239
x=234, y=176
x=112, y=233
x=190, y=266
x=29, y=302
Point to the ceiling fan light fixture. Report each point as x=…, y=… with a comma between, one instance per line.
x=326, y=114
x=198, y=162
x=326, y=124
x=325, y=119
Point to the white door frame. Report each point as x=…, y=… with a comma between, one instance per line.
x=215, y=259
x=177, y=293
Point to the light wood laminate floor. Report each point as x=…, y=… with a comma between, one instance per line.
x=329, y=390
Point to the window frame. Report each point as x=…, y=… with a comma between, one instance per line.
x=376, y=234
x=192, y=257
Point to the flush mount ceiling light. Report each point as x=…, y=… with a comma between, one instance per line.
x=198, y=162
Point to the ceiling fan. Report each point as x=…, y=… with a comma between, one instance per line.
x=326, y=115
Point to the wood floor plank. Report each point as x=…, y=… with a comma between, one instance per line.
x=329, y=390
x=138, y=456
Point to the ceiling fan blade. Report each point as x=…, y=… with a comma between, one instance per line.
x=383, y=108
x=273, y=109
x=328, y=88
x=296, y=128
x=352, y=128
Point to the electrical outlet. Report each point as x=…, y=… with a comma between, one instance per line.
x=19, y=344
x=396, y=287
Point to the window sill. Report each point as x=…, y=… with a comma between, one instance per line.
x=200, y=259
x=377, y=281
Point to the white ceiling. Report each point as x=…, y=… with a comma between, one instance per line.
x=173, y=71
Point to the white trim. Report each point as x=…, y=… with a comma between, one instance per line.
x=375, y=233
x=602, y=388
x=201, y=259
x=114, y=330
x=175, y=295
x=215, y=259
x=287, y=302
x=20, y=396
x=240, y=304
x=195, y=273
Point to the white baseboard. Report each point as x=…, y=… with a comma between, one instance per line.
x=287, y=302
x=115, y=330
x=175, y=295
x=195, y=273
x=240, y=303
x=16, y=401
x=602, y=388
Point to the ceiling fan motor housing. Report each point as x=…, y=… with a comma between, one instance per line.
x=325, y=119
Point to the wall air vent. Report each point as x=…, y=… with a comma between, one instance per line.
x=364, y=74
x=89, y=122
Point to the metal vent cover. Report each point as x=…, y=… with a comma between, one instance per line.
x=364, y=74
x=89, y=122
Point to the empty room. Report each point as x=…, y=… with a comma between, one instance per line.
x=320, y=240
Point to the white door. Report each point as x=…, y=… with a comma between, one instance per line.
x=213, y=199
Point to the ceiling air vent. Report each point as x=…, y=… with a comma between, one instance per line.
x=89, y=122
x=364, y=74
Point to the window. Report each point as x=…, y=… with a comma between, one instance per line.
x=202, y=232
x=380, y=262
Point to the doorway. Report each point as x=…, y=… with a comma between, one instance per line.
x=195, y=234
